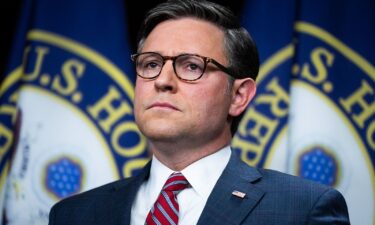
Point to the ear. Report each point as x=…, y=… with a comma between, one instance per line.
x=242, y=92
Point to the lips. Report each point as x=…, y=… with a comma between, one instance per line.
x=162, y=105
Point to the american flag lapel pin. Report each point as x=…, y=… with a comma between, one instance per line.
x=239, y=194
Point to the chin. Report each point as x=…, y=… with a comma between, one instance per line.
x=157, y=136
x=159, y=130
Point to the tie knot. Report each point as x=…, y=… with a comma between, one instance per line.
x=176, y=183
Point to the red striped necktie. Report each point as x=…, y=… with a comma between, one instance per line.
x=165, y=210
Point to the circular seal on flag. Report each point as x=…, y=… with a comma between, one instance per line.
x=77, y=128
x=318, y=121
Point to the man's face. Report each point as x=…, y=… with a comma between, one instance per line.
x=169, y=109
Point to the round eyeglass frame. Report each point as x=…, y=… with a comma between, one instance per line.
x=206, y=60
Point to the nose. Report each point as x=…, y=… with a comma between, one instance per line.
x=167, y=79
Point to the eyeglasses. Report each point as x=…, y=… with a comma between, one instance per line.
x=187, y=67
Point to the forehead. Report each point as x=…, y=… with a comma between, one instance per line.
x=186, y=35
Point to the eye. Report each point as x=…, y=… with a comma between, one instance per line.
x=191, y=64
x=150, y=63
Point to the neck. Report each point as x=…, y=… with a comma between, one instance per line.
x=179, y=155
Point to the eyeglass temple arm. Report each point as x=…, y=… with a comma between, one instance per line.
x=223, y=68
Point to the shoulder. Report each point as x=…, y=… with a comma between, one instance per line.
x=273, y=181
x=90, y=195
x=100, y=205
x=306, y=199
x=278, y=182
x=279, y=198
x=283, y=181
x=71, y=210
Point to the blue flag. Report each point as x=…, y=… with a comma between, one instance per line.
x=314, y=113
x=66, y=116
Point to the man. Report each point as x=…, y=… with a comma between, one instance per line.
x=196, y=69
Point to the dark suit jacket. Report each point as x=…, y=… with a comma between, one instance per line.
x=271, y=198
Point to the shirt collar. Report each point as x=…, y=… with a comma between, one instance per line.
x=202, y=174
x=159, y=174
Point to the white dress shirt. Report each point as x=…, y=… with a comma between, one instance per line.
x=202, y=176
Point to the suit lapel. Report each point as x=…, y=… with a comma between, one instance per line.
x=122, y=198
x=224, y=207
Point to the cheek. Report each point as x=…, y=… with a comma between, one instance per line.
x=139, y=97
x=141, y=90
x=211, y=106
x=139, y=85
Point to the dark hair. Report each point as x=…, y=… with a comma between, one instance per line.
x=239, y=47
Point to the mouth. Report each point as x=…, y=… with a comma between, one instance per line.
x=163, y=105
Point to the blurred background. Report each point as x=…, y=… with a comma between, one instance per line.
x=67, y=88
x=10, y=11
